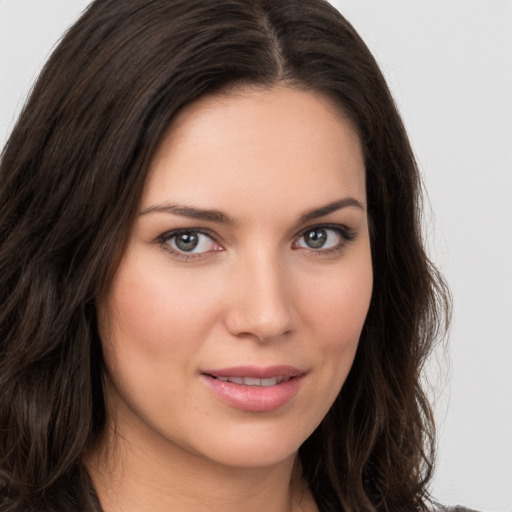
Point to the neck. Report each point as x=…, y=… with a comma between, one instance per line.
x=143, y=477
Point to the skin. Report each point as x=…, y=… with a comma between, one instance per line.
x=253, y=292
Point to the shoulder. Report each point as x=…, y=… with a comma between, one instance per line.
x=458, y=508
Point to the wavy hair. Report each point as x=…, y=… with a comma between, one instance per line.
x=71, y=179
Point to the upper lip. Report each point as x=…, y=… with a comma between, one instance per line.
x=256, y=372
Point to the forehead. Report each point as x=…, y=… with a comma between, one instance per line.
x=269, y=142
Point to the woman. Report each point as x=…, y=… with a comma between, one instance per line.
x=214, y=293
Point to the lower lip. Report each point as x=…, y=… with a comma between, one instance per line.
x=254, y=398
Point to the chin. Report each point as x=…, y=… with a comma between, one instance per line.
x=253, y=445
x=253, y=455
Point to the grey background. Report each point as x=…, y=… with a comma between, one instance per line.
x=449, y=65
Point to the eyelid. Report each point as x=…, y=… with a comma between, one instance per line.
x=164, y=238
x=174, y=232
x=347, y=234
x=342, y=228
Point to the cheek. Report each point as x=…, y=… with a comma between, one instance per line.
x=152, y=314
x=151, y=328
x=338, y=305
x=338, y=310
x=334, y=311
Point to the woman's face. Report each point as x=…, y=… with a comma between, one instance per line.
x=234, y=317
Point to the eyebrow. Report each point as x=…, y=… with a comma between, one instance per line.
x=222, y=218
x=191, y=212
x=331, y=208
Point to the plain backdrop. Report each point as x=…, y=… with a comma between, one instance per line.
x=449, y=65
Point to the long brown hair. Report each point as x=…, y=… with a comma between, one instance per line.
x=71, y=178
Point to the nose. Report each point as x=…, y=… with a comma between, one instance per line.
x=261, y=304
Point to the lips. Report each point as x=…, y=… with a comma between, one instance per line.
x=252, y=381
x=256, y=372
x=254, y=389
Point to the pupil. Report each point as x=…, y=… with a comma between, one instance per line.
x=187, y=241
x=316, y=238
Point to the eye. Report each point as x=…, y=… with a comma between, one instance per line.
x=189, y=241
x=324, y=238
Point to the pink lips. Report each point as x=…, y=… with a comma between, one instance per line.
x=254, y=389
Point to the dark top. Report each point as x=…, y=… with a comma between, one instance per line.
x=70, y=500
x=453, y=509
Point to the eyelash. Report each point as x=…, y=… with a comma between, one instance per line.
x=165, y=238
x=346, y=235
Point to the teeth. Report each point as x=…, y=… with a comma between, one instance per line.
x=251, y=381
